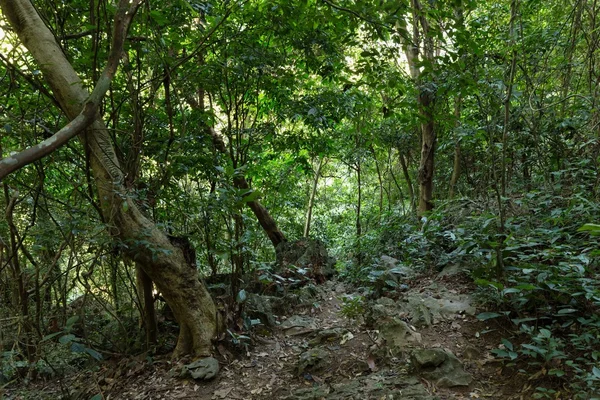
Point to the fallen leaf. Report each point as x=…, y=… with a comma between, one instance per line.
x=222, y=393
x=347, y=336
x=371, y=364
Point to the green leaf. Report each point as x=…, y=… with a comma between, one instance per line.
x=507, y=344
x=590, y=228
x=488, y=315
x=50, y=336
x=596, y=372
x=242, y=296
x=97, y=397
x=77, y=347
x=66, y=338
x=251, y=196
x=545, y=333
x=566, y=311
x=93, y=353
x=71, y=321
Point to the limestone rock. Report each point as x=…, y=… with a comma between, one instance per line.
x=312, y=360
x=204, y=369
x=298, y=325
x=397, y=334
x=426, y=310
x=328, y=336
x=441, y=367
x=261, y=307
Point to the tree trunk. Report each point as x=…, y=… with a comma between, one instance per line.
x=422, y=38
x=311, y=199
x=266, y=221
x=263, y=216
x=409, y=184
x=427, y=152
x=456, y=164
x=145, y=243
x=146, y=298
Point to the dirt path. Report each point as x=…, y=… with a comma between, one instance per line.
x=317, y=353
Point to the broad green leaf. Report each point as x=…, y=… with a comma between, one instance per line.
x=66, y=338
x=566, y=311
x=488, y=315
x=241, y=296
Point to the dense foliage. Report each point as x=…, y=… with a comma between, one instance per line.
x=323, y=108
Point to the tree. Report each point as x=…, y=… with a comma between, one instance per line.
x=142, y=241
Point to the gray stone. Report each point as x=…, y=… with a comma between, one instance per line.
x=448, y=373
x=261, y=307
x=393, y=265
x=451, y=270
x=307, y=254
x=298, y=325
x=427, y=358
x=312, y=360
x=397, y=334
x=204, y=369
x=375, y=386
x=328, y=336
x=427, y=310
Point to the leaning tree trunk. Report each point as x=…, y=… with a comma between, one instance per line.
x=164, y=263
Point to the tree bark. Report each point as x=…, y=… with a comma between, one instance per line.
x=456, y=164
x=311, y=199
x=261, y=213
x=409, y=184
x=146, y=298
x=164, y=263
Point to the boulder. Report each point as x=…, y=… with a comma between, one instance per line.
x=306, y=255
x=312, y=360
x=425, y=309
x=204, y=369
x=441, y=367
x=328, y=336
x=298, y=325
x=261, y=307
x=398, y=335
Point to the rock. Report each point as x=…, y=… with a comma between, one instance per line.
x=307, y=254
x=328, y=335
x=204, y=369
x=428, y=358
x=388, y=275
x=298, y=325
x=397, y=334
x=393, y=265
x=440, y=366
x=382, y=307
x=312, y=360
x=373, y=386
x=426, y=310
x=261, y=307
x=451, y=270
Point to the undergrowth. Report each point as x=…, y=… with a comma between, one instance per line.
x=549, y=291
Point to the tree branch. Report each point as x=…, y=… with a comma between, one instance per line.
x=125, y=13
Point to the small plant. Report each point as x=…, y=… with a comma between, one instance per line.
x=353, y=307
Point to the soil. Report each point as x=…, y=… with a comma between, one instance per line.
x=268, y=367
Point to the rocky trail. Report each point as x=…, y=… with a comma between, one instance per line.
x=422, y=343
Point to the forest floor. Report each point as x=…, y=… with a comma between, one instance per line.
x=323, y=355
